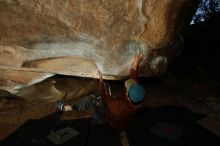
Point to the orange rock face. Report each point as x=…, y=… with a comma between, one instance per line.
x=79, y=37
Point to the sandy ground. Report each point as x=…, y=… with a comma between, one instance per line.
x=39, y=100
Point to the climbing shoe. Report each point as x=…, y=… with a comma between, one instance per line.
x=60, y=105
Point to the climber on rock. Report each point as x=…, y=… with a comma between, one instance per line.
x=118, y=112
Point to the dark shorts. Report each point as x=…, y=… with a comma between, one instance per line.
x=95, y=104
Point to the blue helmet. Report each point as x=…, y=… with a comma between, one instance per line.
x=135, y=91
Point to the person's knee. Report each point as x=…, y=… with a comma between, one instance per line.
x=75, y=107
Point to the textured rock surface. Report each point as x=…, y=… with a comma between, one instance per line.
x=74, y=37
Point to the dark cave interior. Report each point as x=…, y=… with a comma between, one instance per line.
x=182, y=106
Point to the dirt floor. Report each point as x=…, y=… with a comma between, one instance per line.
x=183, y=85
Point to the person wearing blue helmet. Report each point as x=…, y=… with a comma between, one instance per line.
x=118, y=112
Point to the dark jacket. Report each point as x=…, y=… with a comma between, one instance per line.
x=119, y=111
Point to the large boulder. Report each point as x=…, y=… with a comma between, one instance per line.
x=41, y=38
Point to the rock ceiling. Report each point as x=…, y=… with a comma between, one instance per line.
x=41, y=38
